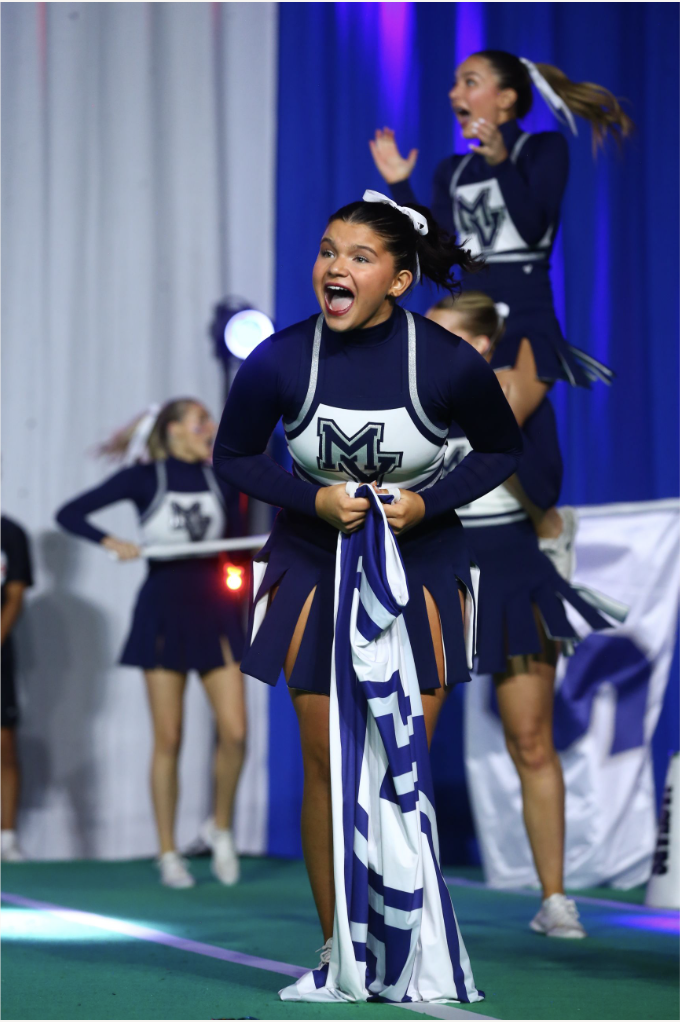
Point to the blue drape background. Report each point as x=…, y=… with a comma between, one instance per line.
x=346, y=69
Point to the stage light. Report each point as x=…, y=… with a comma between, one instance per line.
x=245, y=330
x=23, y=926
x=233, y=577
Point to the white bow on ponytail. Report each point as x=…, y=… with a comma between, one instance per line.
x=137, y=449
x=555, y=103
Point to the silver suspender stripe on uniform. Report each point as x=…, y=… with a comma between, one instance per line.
x=313, y=377
x=413, y=381
x=161, y=489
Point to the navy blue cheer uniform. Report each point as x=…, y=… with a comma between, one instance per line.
x=183, y=609
x=16, y=567
x=363, y=405
x=509, y=215
x=515, y=576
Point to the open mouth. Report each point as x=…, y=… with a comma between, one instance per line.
x=462, y=113
x=339, y=299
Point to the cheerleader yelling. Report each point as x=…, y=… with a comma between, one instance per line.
x=521, y=614
x=367, y=393
x=184, y=619
x=502, y=200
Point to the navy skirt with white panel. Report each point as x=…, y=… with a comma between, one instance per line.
x=183, y=612
x=515, y=576
x=300, y=557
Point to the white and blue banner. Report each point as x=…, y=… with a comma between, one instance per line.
x=607, y=705
x=395, y=934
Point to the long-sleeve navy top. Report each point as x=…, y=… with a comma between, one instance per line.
x=138, y=484
x=532, y=186
x=365, y=369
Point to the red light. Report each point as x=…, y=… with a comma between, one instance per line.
x=233, y=577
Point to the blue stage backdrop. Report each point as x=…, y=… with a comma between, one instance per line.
x=347, y=68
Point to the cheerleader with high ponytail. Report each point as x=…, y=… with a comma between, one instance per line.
x=502, y=199
x=183, y=619
x=367, y=392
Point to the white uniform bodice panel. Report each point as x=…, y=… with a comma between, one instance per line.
x=341, y=444
x=179, y=517
x=496, y=504
x=400, y=445
x=483, y=222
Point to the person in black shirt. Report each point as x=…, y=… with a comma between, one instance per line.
x=17, y=576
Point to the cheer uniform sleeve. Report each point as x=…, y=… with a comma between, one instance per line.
x=254, y=406
x=533, y=186
x=440, y=203
x=129, y=484
x=477, y=404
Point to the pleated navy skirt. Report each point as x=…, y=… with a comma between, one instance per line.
x=527, y=291
x=183, y=611
x=515, y=576
x=300, y=555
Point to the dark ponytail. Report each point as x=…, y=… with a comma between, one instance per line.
x=437, y=252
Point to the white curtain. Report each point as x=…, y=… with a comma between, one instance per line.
x=138, y=144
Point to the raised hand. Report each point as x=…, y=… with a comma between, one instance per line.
x=388, y=159
x=123, y=550
x=491, y=145
x=345, y=513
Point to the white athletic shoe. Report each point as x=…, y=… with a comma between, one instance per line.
x=561, y=550
x=9, y=847
x=225, y=864
x=174, y=872
x=325, y=952
x=558, y=917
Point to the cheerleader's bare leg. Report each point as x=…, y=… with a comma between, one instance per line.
x=433, y=699
x=10, y=778
x=312, y=710
x=165, y=690
x=525, y=701
x=225, y=690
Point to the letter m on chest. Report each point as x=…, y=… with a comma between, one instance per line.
x=359, y=456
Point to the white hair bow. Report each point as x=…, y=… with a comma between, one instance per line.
x=502, y=310
x=554, y=102
x=136, y=449
x=417, y=219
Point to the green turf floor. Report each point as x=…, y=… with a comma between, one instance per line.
x=54, y=969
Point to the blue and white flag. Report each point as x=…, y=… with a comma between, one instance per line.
x=607, y=704
x=395, y=935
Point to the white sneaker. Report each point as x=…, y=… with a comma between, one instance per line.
x=9, y=847
x=174, y=872
x=225, y=864
x=561, y=549
x=325, y=952
x=558, y=917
